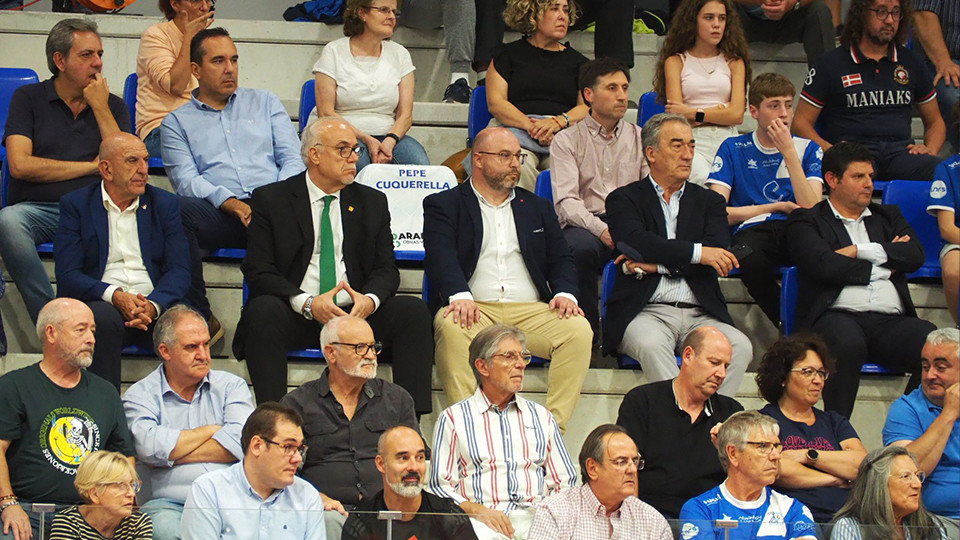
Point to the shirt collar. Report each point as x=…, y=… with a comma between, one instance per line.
x=485, y=202
x=866, y=213
x=323, y=385
x=165, y=385
x=315, y=193
x=108, y=202
x=244, y=483
x=50, y=90
x=484, y=405
x=203, y=106
x=596, y=128
x=763, y=149
x=707, y=405
x=660, y=190
x=859, y=58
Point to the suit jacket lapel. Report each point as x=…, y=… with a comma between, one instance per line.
x=843, y=237
x=687, y=206
x=473, y=209
x=101, y=225
x=300, y=205
x=652, y=200
x=521, y=221
x=874, y=226
x=350, y=216
x=144, y=230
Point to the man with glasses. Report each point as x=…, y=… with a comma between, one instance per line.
x=926, y=422
x=261, y=496
x=866, y=89
x=345, y=411
x=185, y=418
x=218, y=148
x=749, y=448
x=495, y=254
x=495, y=453
x=320, y=247
x=606, y=501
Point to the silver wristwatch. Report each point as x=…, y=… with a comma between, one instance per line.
x=307, y=309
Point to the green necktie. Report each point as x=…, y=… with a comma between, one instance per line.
x=328, y=266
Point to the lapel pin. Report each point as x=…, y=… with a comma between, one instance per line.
x=143, y=207
x=349, y=209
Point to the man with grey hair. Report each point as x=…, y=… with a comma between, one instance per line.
x=495, y=453
x=345, y=411
x=52, y=138
x=606, y=501
x=674, y=238
x=218, y=148
x=926, y=422
x=185, y=418
x=321, y=247
x=402, y=461
x=52, y=415
x=749, y=448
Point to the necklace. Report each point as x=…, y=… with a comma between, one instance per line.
x=716, y=64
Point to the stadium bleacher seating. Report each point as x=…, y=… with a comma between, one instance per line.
x=911, y=196
x=544, y=187
x=10, y=80
x=130, y=97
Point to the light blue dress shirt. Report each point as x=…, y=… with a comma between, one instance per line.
x=156, y=416
x=223, y=504
x=215, y=155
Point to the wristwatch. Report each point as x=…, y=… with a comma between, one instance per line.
x=701, y=116
x=812, y=455
x=307, y=309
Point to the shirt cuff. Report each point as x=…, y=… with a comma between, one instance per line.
x=228, y=442
x=376, y=301
x=157, y=307
x=165, y=440
x=296, y=302
x=661, y=269
x=108, y=294
x=220, y=196
x=568, y=296
x=697, y=252
x=597, y=226
x=467, y=295
x=878, y=272
x=872, y=252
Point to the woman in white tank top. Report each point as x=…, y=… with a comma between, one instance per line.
x=702, y=72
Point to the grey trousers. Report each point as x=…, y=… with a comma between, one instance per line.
x=459, y=21
x=653, y=338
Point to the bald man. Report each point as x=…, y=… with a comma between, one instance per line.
x=120, y=248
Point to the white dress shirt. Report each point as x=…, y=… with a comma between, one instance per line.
x=879, y=296
x=671, y=290
x=311, y=280
x=124, y=269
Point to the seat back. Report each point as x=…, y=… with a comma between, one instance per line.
x=479, y=115
x=10, y=80
x=544, y=187
x=308, y=100
x=788, y=299
x=130, y=97
x=4, y=182
x=912, y=196
x=648, y=107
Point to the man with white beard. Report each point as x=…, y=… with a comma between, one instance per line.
x=402, y=461
x=52, y=415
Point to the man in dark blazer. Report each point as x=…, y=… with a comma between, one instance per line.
x=853, y=257
x=495, y=253
x=319, y=246
x=120, y=248
x=674, y=236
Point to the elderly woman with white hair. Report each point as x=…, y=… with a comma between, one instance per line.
x=885, y=502
x=108, y=482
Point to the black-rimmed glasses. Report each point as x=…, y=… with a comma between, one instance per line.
x=345, y=151
x=362, y=348
x=883, y=13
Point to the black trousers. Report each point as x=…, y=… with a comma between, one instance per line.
x=811, y=25
x=269, y=328
x=893, y=341
x=589, y=256
x=758, y=269
x=112, y=335
x=613, y=36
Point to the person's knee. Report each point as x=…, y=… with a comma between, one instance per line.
x=819, y=13
x=262, y=312
x=951, y=268
x=742, y=347
x=13, y=222
x=166, y=524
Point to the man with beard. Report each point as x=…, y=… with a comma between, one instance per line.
x=52, y=415
x=865, y=90
x=345, y=411
x=402, y=460
x=495, y=254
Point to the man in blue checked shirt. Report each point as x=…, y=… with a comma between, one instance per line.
x=185, y=418
x=217, y=149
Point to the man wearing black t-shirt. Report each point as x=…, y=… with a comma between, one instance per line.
x=52, y=136
x=865, y=91
x=401, y=459
x=52, y=415
x=672, y=421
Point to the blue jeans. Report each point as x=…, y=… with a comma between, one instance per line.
x=207, y=228
x=407, y=152
x=152, y=142
x=166, y=515
x=22, y=227
x=947, y=97
x=34, y=522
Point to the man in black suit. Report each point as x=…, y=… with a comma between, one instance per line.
x=675, y=234
x=853, y=256
x=319, y=246
x=495, y=253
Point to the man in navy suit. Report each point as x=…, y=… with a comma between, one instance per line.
x=495, y=254
x=120, y=248
x=677, y=235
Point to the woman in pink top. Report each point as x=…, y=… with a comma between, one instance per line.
x=702, y=70
x=164, y=79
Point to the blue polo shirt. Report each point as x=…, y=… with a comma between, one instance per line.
x=945, y=189
x=909, y=418
x=755, y=174
x=866, y=100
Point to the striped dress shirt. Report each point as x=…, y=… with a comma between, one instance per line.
x=503, y=459
x=576, y=514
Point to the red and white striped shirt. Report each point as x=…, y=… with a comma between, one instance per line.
x=576, y=514
x=503, y=459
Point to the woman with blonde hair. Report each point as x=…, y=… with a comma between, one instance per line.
x=532, y=83
x=702, y=74
x=108, y=482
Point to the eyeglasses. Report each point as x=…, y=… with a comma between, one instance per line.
x=809, y=372
x=882, y=13
x=125, y=486
x=385, y=10
x=623, y=463
x=289, y=449
x=506, y=157
x=362, y=348
x=513, y=357
x=345, y=151
x=765, y=447
x=211, y=2
x=908, y=476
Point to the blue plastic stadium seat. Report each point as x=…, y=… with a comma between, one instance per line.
x=911, y=196
x=308, y=100
x=606, y=288
x=307, y=354
x=544, y=187
x=228, y=253
x=648, y=107
x=479, y=115
x=130, y=97
x=10, y=80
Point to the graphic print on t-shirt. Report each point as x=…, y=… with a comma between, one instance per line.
x=67, y=435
